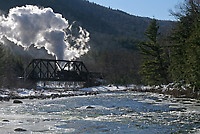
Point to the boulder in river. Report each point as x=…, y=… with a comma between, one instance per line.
x=17, y=101
x=20, y=130
x=5, y=120
x=90, y=107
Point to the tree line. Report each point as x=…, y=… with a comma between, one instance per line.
x=179, y=60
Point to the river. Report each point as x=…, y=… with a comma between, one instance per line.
x=106, y=113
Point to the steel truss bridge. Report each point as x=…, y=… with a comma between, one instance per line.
x=58, y=70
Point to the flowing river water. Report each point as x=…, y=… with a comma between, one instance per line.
x=105, y=113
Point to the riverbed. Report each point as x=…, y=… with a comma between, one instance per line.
x=118, y=112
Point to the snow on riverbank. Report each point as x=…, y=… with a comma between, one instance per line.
x=174, y=89
x=22, y=93
x=106, y=88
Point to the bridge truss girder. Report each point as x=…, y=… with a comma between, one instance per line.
x=56, y=70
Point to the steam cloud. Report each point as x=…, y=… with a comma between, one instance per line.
x=41, y=27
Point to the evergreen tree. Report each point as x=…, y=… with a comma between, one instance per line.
x=154, y=69
x=11, y=67
x=193, y=57
x=1, y=60
x=185, y=51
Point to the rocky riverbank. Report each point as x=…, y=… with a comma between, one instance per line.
x=21, y=93
x=174, y=89
x=170, y=89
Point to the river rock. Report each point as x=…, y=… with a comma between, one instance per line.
x=5, y=120
x=90, y=107
x=17, y=101
x=20, y=130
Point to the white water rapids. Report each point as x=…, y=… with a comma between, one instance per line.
x=117, y=112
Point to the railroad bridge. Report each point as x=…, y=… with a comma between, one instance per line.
x=58, y=70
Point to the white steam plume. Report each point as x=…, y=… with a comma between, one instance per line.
x=41, y=27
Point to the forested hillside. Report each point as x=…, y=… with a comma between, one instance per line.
x=114, y=34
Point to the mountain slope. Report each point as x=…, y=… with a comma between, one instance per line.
x=114, y=34
x=93, y=17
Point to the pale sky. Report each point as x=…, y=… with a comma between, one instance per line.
x=158, y=9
